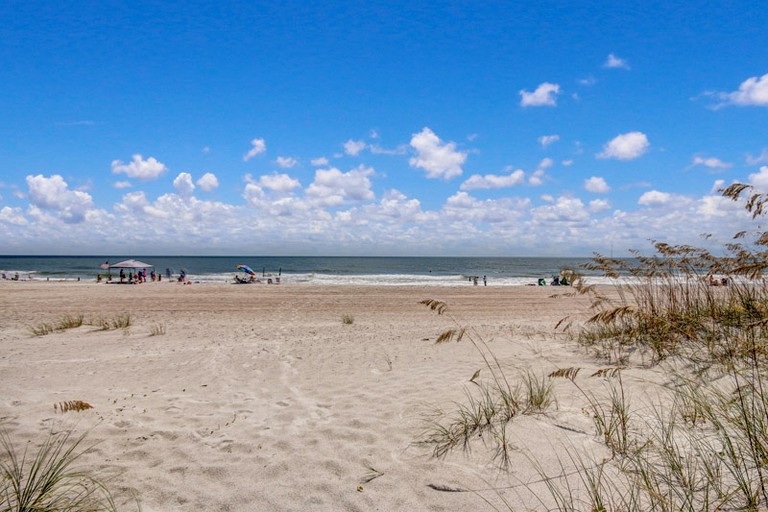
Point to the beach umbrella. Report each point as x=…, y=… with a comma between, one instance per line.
x=130, y=264
x=246, y=269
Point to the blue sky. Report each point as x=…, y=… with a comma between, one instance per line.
x=390, y=128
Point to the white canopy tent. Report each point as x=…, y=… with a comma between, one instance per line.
x=131, y=264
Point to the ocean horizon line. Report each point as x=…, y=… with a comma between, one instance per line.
x=140, y=255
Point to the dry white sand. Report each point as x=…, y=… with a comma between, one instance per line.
x=259, y=397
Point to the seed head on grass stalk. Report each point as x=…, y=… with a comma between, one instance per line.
x=460, y=333
x=612, y=421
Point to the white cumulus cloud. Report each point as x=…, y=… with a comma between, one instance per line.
x=286, y=162
x=537, y=178
x=133, y=202
x=752, y=92
x=139, y=168
x=258, y=146
x=253, y=193
x=183, y=184
x=53, y=194
x=548, y=140
x=545, y=95
x=564, y=210
x=760, y=179
x=334, y=188
x=599, y=205
x=439, y=159
x=272, y=191
x=13, y=216
x=627, y=146
x=491, y=181
x=596, y=185
x=281, y=183
x=354, y=147
x=208, y=182
x=655, y=198
x=718, y=206
x=710, y=162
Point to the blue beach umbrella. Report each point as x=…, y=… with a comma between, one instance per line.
x=246, y=269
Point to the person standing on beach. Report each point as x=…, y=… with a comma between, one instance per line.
x=485, y=281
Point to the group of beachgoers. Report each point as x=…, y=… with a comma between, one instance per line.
x=475, y=280
x=140, y=276
x=556, y=281
x=713, y=281
x=561, y=280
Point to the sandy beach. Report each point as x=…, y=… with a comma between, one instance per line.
x=259, y=397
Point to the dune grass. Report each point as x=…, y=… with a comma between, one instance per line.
x=157, y=329
x=48, y=479
x=119, y=321
x=704, y=446
x=703, y=317
x=75, y=320
x=492, y=398
x=68, y=321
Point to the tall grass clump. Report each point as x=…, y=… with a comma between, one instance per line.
x=611, y=416
x=491, y=399
x=685, y=301
x=157, y=329
x=69, y=321
x=48, y=479
x=120, y=321
x=673, y=460
x=705, y=318
x=702, y=444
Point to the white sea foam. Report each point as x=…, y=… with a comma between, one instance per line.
x=322, y=279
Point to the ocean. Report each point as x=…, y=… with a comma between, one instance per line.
x=436, y=271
